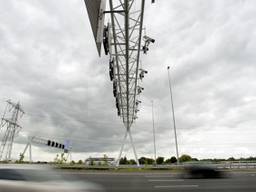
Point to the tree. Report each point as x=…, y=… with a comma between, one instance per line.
x=149, y=161
x=231, y=159
x=21, y=160
x=60, y=159
x=184, y=158
x=123, y=161
x=80, y=162
x=251, y=158
x=132, y=162
x=142, y=160
x=171, y=160
x=160, y=160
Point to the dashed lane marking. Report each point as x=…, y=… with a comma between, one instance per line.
x=158, y=176
x=174, y=186
x=165, y=180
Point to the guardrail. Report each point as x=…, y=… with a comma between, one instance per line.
x=236, y=165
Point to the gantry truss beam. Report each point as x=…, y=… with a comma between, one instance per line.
x=122, y=39
x=125, y=48
x=125, y=36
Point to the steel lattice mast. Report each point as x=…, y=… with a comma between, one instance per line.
x=122, y=39
x=12, y=128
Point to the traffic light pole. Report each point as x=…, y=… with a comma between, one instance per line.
x=41, y=141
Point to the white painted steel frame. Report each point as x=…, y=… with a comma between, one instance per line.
x=126, y=29
x=36, y=140
x=31, y=140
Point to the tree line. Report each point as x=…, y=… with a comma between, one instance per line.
x=159, y=160
x=182, y=159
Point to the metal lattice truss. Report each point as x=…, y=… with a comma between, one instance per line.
x=12, y=128
x=124, y=42
x=125, y=36
x=122, y=39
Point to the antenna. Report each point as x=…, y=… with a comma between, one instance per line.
x=123, y=42
x=10, y=121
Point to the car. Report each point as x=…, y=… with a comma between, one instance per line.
x=202, y=171
x=31, y=178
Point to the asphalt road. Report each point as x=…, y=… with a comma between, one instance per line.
x=145, y=182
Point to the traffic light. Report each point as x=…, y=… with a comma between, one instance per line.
x=55, y=144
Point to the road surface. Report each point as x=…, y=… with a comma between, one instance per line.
x=145, y=182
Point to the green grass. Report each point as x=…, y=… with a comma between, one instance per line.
x=119, y=169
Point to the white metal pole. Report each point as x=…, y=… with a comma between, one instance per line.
x=154, y=136
x=173, y=116
x=133, y=147
x=121, y=150
x=30, y=153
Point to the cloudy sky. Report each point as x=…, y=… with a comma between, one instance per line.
x=50, y=64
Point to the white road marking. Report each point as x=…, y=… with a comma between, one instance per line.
x=101, y=173
x=175, y=186
x=158, y=176
x=165, y=180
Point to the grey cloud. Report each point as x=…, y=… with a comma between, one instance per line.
x=49, y=62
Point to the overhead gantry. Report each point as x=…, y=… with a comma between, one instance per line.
x=123, y=41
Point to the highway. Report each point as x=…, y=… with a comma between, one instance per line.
x=144, y=182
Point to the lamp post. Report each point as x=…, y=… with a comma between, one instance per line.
x=154, y=136
x=173, y=116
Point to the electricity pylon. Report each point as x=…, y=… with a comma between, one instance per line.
x=9, y=120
